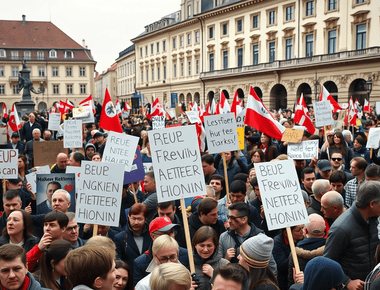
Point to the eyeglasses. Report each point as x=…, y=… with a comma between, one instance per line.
x=336, y=159
x=70, y=229
x=136, y=219
x=173, y=258
x=233, y=218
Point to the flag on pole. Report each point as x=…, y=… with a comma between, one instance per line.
x=109, y=120
x=156, y=110
x=352, y=114
x=302, y=116
x=14, y=121
x=64, y=107
x=224, y=106
x=366, y=107
x=118, y=107
x=237, y=105
x=258, y=117
x=326, y=96
x=88, y=102
x=5, y=111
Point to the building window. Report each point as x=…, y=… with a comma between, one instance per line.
x=40, y=55
x=225, y=59
x=360, y=1
x=211, y=58
x=175, y=70
x=56, y=89
x=146, y=50
x=211, y=32
x=189, y=67
x=289, y=13
x=361, y=34
x=225, y=29
x=240, y=57
x=52, y=54
x=181, y=69
x=14, y=54
x=164, y=45
x=272, y=51
x=2, y=90
x=152, y=74
x=82, y=71
x=27, y=55
x=69, y=54
x=1, y=71
x=164, y=72
x=309, y=8
x=3, y=53
x=151, y=49
x=55, y=71
x=188, y=39
x=69, y=72
x=82, y=89
x=15, y=90
x=141, y=52
x=197, y=66
x=174, y=42
x=188, y=11
x=309, y=45
x=332, y=4
x=196, y=36
x=158, y=47
x=69, y=89
x=332, y=42
x=255, y=21
x=181, y=41
x=14, y=71
x=142, y=76
x=255, y=58
x=272, y=17
x=41, y=71
x=289, y=48
x=239, y=25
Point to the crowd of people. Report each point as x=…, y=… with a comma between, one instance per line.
x=230, y=240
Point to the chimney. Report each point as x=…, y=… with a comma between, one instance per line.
x=23, y=19
x=83, y=43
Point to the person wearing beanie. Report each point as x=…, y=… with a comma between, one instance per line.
x=254, y=256
x=89, y=151
x=360, y=149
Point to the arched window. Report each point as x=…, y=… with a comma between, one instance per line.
x=53, y=53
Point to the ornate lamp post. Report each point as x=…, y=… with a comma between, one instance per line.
x=368, y=87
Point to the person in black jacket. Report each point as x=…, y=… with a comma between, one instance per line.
x=27, y=129
x=16, y=143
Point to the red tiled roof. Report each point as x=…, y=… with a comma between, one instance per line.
x=112, y=67
x=34, y=34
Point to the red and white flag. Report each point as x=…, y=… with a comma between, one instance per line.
x=237, y=105
x=366, y=107
x=109, y=120
x=224, y=106
x=14, y=121
x=5, y=111
x=258, y=117
x=325, y=96
x=201, y=134
x=302, y=116
x=64, y=107
x=127, y=107
x=352, y=113
x=118, y=107
x=156, y=110
x=219, y=109
x=88, y=102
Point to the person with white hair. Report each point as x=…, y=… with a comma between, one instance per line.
x=170, y=276
x=319, y=188
x=28, y=151
x=332, y=206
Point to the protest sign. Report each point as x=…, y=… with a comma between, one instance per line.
x=137, y=172
x=148, y=166
x=240, y=134
x=171, y=113
x=377, y=108
x=322, y=114
x=8, y=163
x=373, y=138
x=303, y=150
x=3, y=136
x=281, y=194
x=31, y=177
x=54, y=121
x=292, y=135
x=221, y=133
x=125, y=114
x=158, y=122
x=180, y=173
x=45, y=153
x=99, y=194
x=240, y=118
x=76, y=171
x=47, y=184
x=120, y=148
x=193, y=117
x=73, y=134
x=84, y=113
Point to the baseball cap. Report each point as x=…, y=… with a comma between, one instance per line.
x=324, y=165
x=161, y=224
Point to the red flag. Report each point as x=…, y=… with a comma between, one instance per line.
x=5, y=111
x=201, y=134
x=325, y=96
x=88, y=102
x=302, y=116
x=109, y=119
x=157, y=109
x=218, y=109
x=224, y=106
x=258, y=117
x=118, y=107
x=236, y=107
x=14, y=121
x=366, y=107
x=352, y=115
x=64, y=107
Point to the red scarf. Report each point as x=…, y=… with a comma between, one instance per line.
x=24, y=286
x=264, y=149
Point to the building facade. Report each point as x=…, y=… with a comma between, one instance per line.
x=281, y=48
x=107, y=79
x=64, y=67
x=126, y=74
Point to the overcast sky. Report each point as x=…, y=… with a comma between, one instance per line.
x=106, y=25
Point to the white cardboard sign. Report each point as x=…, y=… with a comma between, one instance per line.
x=323, y=114
x=31, y=177
x=72, y=134
x=193, y=117
x=8, y=163
x=3, y=136
x=120, y=148
x=158, y=122
x=303, y=150
x=281, y=194
x=178, y=173
x=84, y=113
x=373, y=138
x=221, y=133
x=54, y=121
x=99, y=193
x=147, y=166
x=240, y=118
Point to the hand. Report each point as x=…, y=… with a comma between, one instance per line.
x=262, y=213
x=227, y=224
x=45, y=241
x=298, y=277
x=87, y=227
x=355, y=285
x=231, y=252
x=28, y=209
x=236, y=154
x=313, y=162
x=29, y=188
x=208, y=270
x=228, y=203
x=193, y=285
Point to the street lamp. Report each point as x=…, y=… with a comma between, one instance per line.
x=368, y=87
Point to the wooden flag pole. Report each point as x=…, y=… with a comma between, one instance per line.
x=226, y=177
x=95, y=230
x=370, y=153
x=134, y=193
x=293, y=249
x=187, y=236
x=4, y=186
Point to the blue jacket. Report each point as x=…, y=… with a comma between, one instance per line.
x=20, y=146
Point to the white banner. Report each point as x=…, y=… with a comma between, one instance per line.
x=373, y=138
x=8, y=163
x=178, y=173
x=3, y=136
x=54, y=121
x=322, y=114
x=193, y=117
x=158, y=122
x=72, y=134
x=303, y=150
x=84, y=113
